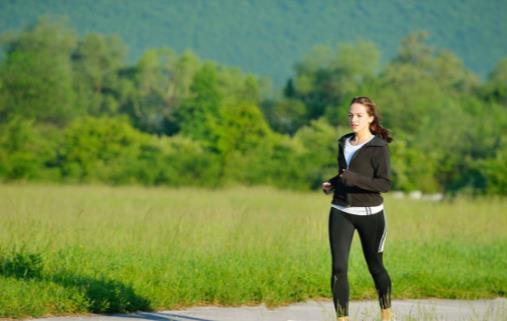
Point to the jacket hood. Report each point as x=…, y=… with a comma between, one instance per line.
x=376, y=141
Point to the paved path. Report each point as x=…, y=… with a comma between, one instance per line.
x=406, y=310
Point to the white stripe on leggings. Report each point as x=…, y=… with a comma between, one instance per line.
x=383, y=239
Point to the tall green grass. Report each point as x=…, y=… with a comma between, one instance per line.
x=77, y=249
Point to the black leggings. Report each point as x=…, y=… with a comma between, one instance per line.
x=371, y=229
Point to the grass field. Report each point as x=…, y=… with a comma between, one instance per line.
x=78, y=249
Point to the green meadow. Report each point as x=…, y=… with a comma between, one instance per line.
x=80, y=249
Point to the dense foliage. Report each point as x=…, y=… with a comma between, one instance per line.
x=73, y=110
x=267, y=37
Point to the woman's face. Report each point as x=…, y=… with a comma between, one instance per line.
x=359, y=120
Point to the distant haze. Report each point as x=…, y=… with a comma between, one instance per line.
x=267, y=37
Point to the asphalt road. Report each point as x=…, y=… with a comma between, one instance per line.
x=405, y=310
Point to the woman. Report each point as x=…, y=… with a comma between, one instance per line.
x=364, y=172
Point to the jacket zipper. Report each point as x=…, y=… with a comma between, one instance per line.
x=354, y=156
x=347, y=195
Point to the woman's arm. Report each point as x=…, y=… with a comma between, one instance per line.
x=334, y=180
x=381, y=180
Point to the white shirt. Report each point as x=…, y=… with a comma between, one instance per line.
x=359, y=210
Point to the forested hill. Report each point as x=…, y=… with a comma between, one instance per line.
x=267, y=37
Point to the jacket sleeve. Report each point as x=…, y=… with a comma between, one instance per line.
x=381, y=180
x=334, y=180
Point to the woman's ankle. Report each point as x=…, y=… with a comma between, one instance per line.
x=386, y=314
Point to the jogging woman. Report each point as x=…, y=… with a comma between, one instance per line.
x=363, y=173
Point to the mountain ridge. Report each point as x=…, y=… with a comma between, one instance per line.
x=268, y=37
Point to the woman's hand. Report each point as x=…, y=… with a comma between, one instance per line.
x=326, y=187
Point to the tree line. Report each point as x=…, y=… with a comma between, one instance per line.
x=72, y=110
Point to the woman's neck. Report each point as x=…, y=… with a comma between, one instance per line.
x=362, y=136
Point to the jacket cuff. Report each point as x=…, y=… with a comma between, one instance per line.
x=333, y=180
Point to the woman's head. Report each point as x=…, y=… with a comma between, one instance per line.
x=363, y=115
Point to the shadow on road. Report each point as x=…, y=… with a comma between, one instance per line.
x=105, y=296
x=162, y=316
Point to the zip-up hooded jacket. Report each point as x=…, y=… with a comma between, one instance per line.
x=367, y=176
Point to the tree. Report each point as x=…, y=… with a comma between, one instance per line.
x=285, y=115
x=318, y=160
x=36, y=74
x=97, y=62
x=494, y=170
x=244, y=138
x=326, y=78
x=160, y=83
x=242, y=128
x=99, y=149
x=26, y=151
x=495, y=89
x=198, y=116
x=237, y=86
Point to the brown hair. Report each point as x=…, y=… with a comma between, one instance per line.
x=371, y=109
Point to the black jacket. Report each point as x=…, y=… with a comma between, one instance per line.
x=368, y=175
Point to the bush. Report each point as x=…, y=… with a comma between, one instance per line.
x=26, y=152
x=21, y=264
x=110, y=150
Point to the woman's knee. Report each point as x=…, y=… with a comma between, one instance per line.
x=339, y=270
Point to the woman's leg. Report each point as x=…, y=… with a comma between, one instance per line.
x=341, y=231
x=372, y=232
